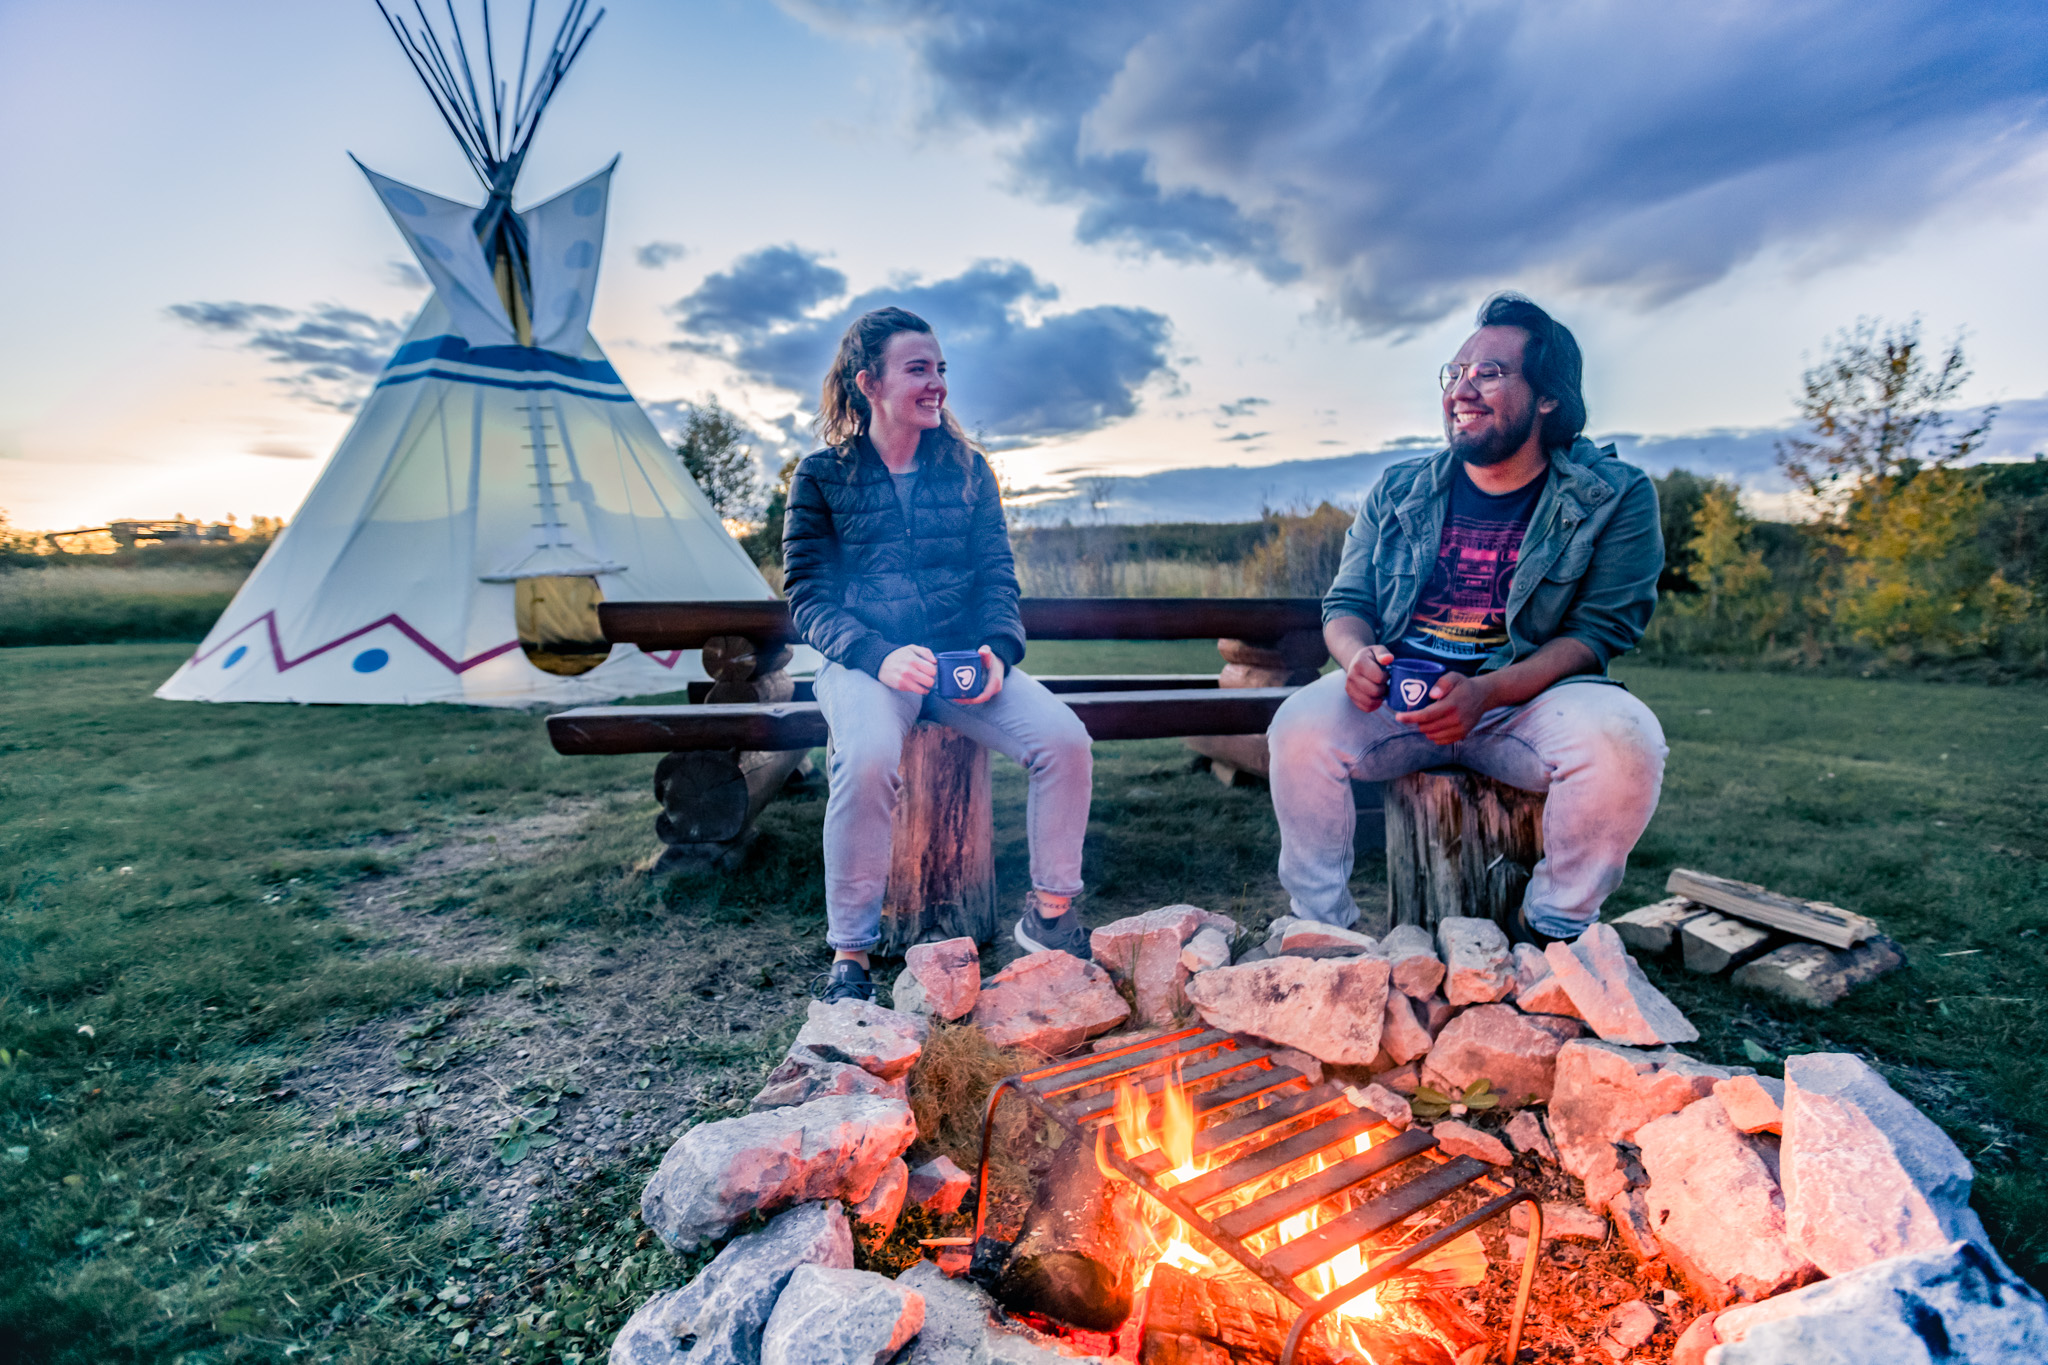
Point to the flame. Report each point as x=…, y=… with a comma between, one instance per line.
x=1168, y=1123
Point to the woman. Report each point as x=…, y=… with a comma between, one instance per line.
x=894, y=549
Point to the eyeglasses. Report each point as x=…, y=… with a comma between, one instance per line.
x=1486, y=374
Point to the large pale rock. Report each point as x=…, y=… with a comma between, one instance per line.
x=938, y=1186
x=1306, y=938
x=1808, y=974
x=1612, y=994
x=804, y=1076
x=1144, y=950
x=718, y=1173
x=1955, y=1305
x=1716, y=1205
x=1331, y=1008
x=876, y=1215
x=1654, y=928
x=1517, y=1052
x=1537, y=989
x=1755, y=1104
x=1049, y=1002
x=1405, y=1037
x=1478, y=968
x=1462, y=1139
x=881, y=1042
x=840, y=1317
x=1714, y=942
x=1418, y=971
x=949, y=974
x=960, y=1327
x=1525, y=1130
x=1604, y=1092
x=1206, y=951
x=1866, y=1175
x=721, y=1313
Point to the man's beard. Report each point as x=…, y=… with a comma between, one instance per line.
x=1493, y=449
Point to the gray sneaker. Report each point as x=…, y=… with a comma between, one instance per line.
x=846, y=980
x=1064, y=933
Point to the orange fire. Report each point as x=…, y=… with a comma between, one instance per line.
x=1168, y=1123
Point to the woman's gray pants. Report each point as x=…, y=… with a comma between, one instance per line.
x=869, y=723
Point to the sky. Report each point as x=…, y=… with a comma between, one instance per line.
x=1157, y=239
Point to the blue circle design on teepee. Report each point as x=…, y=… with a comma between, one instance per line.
x=580, y=255
x=235, y=656
x=405, y=201
x=588, y=200
x=369, y=661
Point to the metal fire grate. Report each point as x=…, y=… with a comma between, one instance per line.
x=1267, y=1116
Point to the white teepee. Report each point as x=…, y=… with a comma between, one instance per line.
x=498, y=481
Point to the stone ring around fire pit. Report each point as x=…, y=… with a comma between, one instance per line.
x=1248, y=1154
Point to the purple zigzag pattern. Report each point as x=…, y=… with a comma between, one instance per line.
x=284, y=663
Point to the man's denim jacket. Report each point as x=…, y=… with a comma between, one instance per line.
x=1588, y=567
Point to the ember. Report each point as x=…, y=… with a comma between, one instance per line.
x=1257, y=1186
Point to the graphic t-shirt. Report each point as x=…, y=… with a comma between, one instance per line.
x=1462, y=616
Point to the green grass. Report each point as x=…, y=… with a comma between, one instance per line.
x=94, y=604
x=169, y=947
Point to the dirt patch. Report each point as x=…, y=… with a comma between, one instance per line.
x=604, y=1042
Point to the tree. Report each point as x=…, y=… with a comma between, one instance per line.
x=1679, y=495
x=1875, y=409
x=715, y=451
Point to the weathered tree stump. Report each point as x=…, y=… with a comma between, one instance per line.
x=1459, y=844
x=942, y=871
x=1292, y=661
x=710, y=799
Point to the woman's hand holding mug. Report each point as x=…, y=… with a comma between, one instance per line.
x=912, y=668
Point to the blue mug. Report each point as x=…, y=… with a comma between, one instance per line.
x=961, y=674
x=1408, y=683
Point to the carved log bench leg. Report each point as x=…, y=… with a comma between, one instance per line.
x=709, y=800
x=1292, y=661
x=1459, y=844
x=942, y=873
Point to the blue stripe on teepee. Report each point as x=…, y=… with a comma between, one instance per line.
x=523, y=358
x=459, y=377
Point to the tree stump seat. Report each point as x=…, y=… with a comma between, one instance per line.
x=1459, y=844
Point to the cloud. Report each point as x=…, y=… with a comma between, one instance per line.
x=280, y=450
x=1243, y=407
x=774, y=284
x=655, y=255
x=406, y=275
x=1405, y=160
x=330, y=354
x=1018, y=372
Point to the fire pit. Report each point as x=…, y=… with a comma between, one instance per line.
x=1286, y=1177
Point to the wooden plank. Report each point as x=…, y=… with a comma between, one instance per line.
x=1165, y=714
x=1815, y=920
x=687, y=625
x=700, y=691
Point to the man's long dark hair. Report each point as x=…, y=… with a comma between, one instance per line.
x=1550, y=361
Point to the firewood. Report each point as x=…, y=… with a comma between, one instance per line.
x=1815, y=920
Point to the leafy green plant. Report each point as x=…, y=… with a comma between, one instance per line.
x=523, y=1136
x=1432, y=1104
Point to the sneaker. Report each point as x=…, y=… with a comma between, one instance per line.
x=1063, y=933
x=847, y=980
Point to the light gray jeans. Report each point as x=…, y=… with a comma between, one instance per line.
x=1596, y=749
x=869, y=723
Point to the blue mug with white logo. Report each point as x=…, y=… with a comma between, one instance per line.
x=1409, y=681
x=961, y=674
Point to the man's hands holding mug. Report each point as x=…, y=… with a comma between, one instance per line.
x=915, y=669
x=1456, y=702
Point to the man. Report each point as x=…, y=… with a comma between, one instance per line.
x=1521, y=558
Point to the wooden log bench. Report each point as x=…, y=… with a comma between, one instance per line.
x=727, y=755
x=1459, y=844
